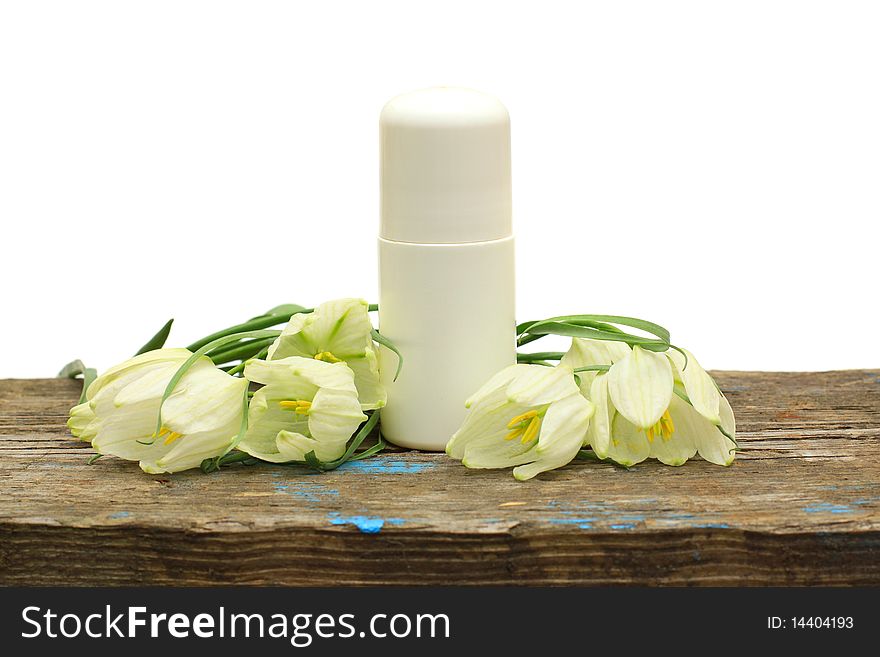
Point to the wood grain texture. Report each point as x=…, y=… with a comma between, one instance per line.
x=801, y=505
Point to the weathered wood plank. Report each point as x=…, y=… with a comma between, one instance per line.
x=801, y=505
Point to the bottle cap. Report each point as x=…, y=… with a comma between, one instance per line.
x=445, y=167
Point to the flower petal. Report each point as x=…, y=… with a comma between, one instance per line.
x=341, y=327
x=679, y=447
x=498, y=382
x=486, y=421
x=640, y=386
x=535, y=385
x=266, y=419
x=629, y=444
x=728, y=421
x=190, y=450
x=302, y=377
x=294, y=446
x=711, y=444
x=585, y=352
x=205, y=400
x=698, y=385
x=562, y=435
x=371, y=392
x=119, y=433
x=81, y=417
x=136, y=366
x=497, y=453
x=599, y=434
x=292, y=341
x=335, y=415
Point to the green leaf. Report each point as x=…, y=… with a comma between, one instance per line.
x=587, y=455
x=385, y=342
x=158, y=340
x=576, y=331
x=359, y=437
x=603, y=321
x=370, y=451
x=214, y=464
x=73, y=369
x=590, y=455
x=596, y=327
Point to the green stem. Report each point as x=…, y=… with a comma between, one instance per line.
x=251, y=325
x=238, y=368
x=525, y=339
x=592, y=368
x=540, y=355
x=241, y=351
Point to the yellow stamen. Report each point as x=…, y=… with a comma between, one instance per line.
x=531, y=430
x=298, y=406
x=172, y=436
x=663, y=427
x=327, y=357
x=667, y=428
x=516, y=433
x=519, y=419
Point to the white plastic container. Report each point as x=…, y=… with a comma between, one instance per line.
x=446, y=258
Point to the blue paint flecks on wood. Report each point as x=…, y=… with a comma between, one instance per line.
x=583, y=523
x=386, y=465
x=586, y=514
x=366, y=524
x=827, y=507
x=308, y=492
x=119, y=515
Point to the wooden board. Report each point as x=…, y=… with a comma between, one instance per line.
x=801, y=505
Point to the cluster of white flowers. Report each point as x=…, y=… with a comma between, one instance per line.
x=644, y=405
x=319, y=376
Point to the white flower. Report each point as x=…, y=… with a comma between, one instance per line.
x=659, y=405
x=336, y=331
x=306, y=405
x=529, y=416
x=200, y=419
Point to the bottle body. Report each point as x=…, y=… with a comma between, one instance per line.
x=449, y=308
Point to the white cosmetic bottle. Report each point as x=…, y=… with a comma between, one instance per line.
x=446, y=258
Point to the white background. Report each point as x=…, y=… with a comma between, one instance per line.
x=714, y=167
